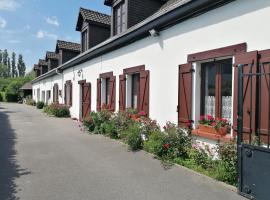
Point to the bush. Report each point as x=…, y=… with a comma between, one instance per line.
x=1, y=98
x=89, y=123
x=227, y=166
x=40, y=105
x=178, y=140
x=134, y=138
x=200, y=158
x=11, y=97
x=110, y=129
x=29, y=101
x=155, y=144
x=57, y=110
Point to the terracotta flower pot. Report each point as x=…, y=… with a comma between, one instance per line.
x=211, y=129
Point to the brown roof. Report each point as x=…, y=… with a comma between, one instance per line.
x=42, y=62
x=95, y=16
x=27, y=86
x=60, y=44
x=51, y=55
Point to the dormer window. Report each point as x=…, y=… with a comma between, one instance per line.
x=84, y=40
x=120, y=18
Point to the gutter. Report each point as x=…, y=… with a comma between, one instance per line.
x=159, y=21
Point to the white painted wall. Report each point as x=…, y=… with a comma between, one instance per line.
x=237, y=22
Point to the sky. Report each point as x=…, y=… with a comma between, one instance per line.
x=31, y=27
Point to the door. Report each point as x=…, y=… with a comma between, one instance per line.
x=253, y=124
x=86, y=99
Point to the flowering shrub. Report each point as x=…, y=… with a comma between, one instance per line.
x=215, y=122
x=57, y=110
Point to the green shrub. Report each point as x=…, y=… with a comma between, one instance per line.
x=57, y=110
x=88, y=123
x=178, y=140
x=110, y=129
x=1, y=98
x=200, y=158
x=155, y=143
x=11, y=97
x=134, y=138
x=40, y=105
x=29, y=101
x=227, y=166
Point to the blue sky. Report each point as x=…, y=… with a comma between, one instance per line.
x=31, y=27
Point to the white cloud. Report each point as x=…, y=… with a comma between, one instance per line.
x=3, y=23
x=52, y=20
x=9, y=5
x=44, y=34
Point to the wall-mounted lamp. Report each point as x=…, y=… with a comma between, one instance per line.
x=79, y=72
x=154, y=33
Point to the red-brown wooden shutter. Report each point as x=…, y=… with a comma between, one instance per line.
x=185, y=94
x=122, y=92
x=66, y=91
x=70, y=94
x=144, y=92
x=86, y=105
x=98, y=94
x=112, y=93
x=263, y=118
x=249, y=61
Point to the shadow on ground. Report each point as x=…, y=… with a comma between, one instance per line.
x=9, y=168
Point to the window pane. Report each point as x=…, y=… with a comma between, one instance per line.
x=135, y=90
x=226, y=88
x=107, y=100
x=209, y=88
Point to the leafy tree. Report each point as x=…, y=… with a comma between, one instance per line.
x=21, y=66
x=5, y=57
x=13, y=65
x=3, y=71
x=9, y=67
x=1, y=56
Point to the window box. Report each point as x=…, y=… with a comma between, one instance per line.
x=211, y=129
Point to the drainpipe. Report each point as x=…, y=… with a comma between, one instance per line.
x=60, y=72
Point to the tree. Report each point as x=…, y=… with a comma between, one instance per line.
x=9, y=68
x=3, y=71
x=13, y=65
x=5, y=57
x=1, y=56
x=21, y=66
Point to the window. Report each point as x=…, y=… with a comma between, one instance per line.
x=84, y=40
x=68, y=93
x=119, y=18
x=216, y=87
x=135, y=91
x=107, y=91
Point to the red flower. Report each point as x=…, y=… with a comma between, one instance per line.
x=166, y=146
x=142, y=113
x=209, y=117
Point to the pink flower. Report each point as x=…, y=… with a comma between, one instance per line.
x=209, y=117
x=142, y=113
x=202, y=118
x=166, y=146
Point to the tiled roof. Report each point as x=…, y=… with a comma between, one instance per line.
x=170, y=3
x=68, y=45
x=51, y=55
x=42, y=62
x=95, y=16
x=36, y=67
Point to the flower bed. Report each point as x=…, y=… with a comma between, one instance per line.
x=170, y=144
x=57, y=110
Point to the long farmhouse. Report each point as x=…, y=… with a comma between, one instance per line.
x=173, y=59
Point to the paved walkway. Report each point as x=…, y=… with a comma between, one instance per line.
x=44, y=158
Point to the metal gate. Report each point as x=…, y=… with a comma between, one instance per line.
x=253, y=129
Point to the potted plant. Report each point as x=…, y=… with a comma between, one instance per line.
x=213, y=125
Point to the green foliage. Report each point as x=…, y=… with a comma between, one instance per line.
x=155, y=144
x=30, y=101
x=21, y=66
x=11, y=97
x=40, y=105
x=57, y=110
x=110, y=129
x=200, y=158
x=1, y=98
x=134, y=137
x=227, y=167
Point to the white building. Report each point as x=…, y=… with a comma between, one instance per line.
x=182, y=56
